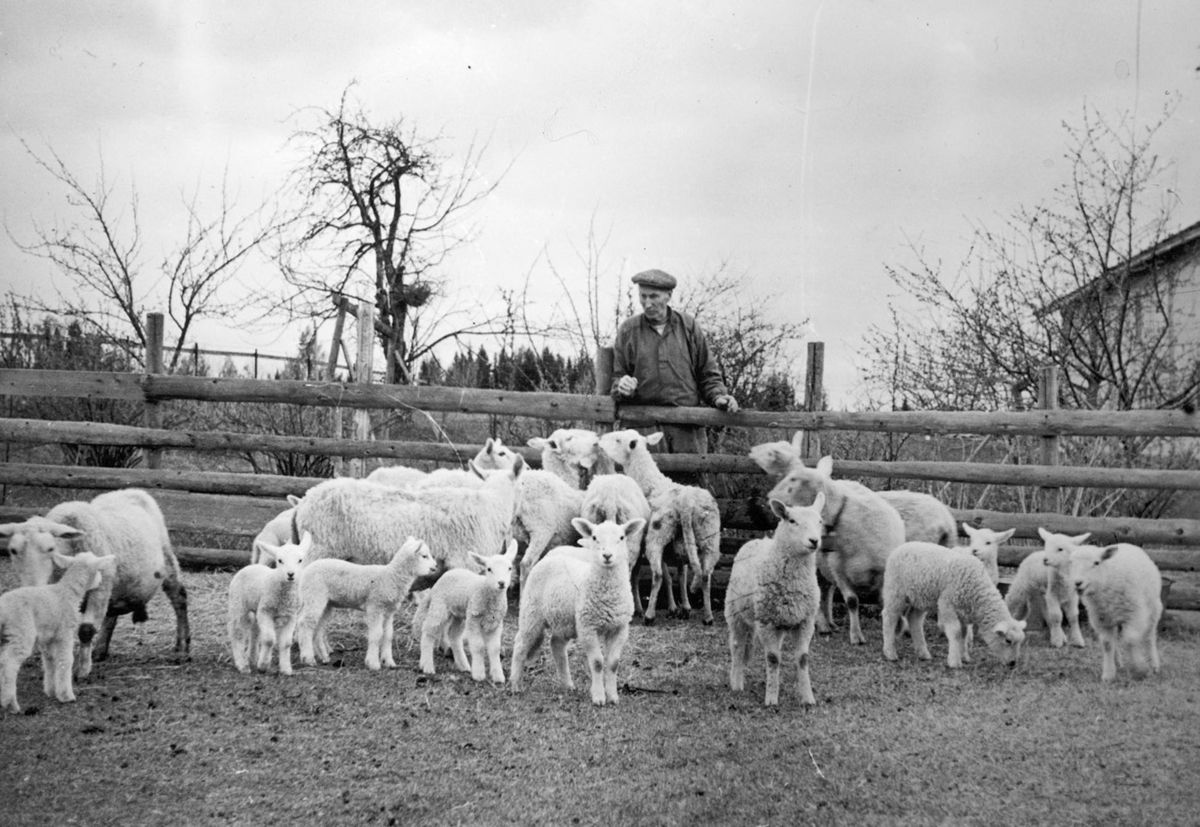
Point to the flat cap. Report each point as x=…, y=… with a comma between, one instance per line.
x=656, y=279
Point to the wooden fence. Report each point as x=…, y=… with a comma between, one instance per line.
x=246, y=501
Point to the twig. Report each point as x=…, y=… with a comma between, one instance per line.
x=820, y=774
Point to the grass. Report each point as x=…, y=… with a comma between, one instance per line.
x=154, y=742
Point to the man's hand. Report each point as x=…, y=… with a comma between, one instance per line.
x=626, y=386
x=727, y=404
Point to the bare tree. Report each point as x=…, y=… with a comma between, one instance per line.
x=383, y=209
x=98, y=247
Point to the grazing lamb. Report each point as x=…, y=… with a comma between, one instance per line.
x=264, y=602
x=773, y=595
x=463, y=602
x=376, y=590
x=683, y=514
x=861, y=531
x=278, y=531
x=1043, y=583
x=126, y=524
x=568, y=598
x=924, y=577
x=47, y=617
x=360, y=521
x=1121, y=589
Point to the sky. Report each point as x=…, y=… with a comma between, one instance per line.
x=807, y=145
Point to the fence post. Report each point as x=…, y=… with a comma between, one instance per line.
x=154, y=364
x=814, y=376
x=602, y=367
x=366, y=355
x=1051, y=497
x=339, y=323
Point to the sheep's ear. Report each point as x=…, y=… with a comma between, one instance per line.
x=474, y=469
x=819, y=502
x=518, y=466
x=633, y=526
x=64, y=532
x=1005, y=535
x=510, y=550
x=797, y=442
x=584, y=527
x=478, y=558
x=107, y=566
x=779, y=509
x=825, y=466
x=970, y=529
x=1044, y=534
x=537, y=442
x=654, y=438
x=293, y=500
x=489, y=447
x=61, y=560
x=268, y=555
x=306, y=542
x=9, y=529
x=1108, y=552
x=1079, y=539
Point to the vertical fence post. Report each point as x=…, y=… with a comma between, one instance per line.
x=366, y=355
x=154, y=364
x=814, y=376
x=1051, y=497
x=602, y=367
x=331, y=376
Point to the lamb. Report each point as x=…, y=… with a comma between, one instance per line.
x=773, y=595
x=461, y=602
x=1121, y=589
x=984, y=546
x=569, y=598
x=126, y=524
x=682, y=513
x=264, y=602
x=619, y=498
x=923, y=577
x=47, y=617
x=359, y=521
x=376, y=590
x=1043, y=583
x=861, y=529
x=279, y=530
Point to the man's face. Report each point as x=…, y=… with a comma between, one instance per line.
x=654, y=303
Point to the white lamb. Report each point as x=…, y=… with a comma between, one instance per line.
x=682, y=514
x=619, y=498
x=462, y=603
x=264, y=602
x=1121, y=589
x=984, y=545
x=376, y=590
x=773, y=595
x=861, y=531
x=1043, y=583
x=278, y=530
x=47, y=618
x=125, y=524
x=924, y=577
x=360, y=521
x=568, y=598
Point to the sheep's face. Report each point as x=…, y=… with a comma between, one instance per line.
x=1058, y=548
x=802, y=526
x=984, y=546
x=494, y=455
x=1084, y=562
x=607, y=540
x=32, y=546
x=801, y=486
x=289, y=558
x=620, y=446
x=1005, y=640
x=776, y=458
x=424, y=563
x=497, y=569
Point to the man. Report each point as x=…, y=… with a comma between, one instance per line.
x=661, y=357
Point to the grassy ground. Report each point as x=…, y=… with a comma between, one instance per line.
x=154, y=742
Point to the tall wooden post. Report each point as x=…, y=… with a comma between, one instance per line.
x=366, y=355
x=602, y=366
x=154, y=364
x=1051, y=497
x=339, y=323
x=814, y=378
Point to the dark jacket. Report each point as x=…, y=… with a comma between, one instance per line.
x=675, y=368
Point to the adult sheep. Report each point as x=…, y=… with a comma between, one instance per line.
x=360, y=521
x=126, y=524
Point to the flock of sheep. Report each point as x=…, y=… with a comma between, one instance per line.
x=599, y=504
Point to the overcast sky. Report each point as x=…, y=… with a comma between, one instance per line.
x=806, y=143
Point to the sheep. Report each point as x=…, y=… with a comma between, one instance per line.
x=861, y=529
x=984, y=545
x=619, y=498
x=1043, y=584
x=569, y=598
x=264, y=602
x=47, y=617
x=126, y=524
x=923, y=577
x=492, y=456
x=569, y=453
x=376, y=590
x=543, y=518
x=461, y=602
x=678, y=512
x=773, y=594
x=925, y=517
x=1121, y=588
x=279, y=530
x=359, y=521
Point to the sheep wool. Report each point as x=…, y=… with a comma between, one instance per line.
x=1043, y=583
x=1121, y=589
x=924, y=577
x=46, y=618
x=567, y=598
x=126, y=524
x=375, y=590
x=773, y=595
x=925, y=517
x=264, y=605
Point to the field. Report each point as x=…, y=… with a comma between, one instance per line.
x=154, y=742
